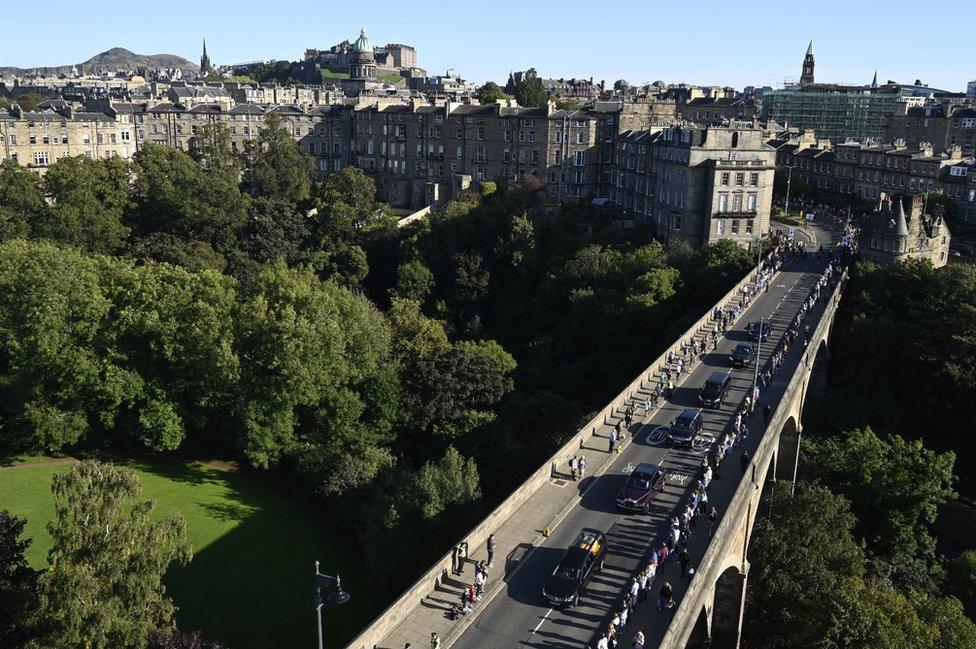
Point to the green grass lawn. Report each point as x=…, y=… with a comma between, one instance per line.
x=250, y=582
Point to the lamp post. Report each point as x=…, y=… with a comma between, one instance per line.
x=337, y=596
x=789, y=180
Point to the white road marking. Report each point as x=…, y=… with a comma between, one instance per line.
x=544, y=618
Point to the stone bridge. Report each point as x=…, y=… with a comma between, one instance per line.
x=711, y=611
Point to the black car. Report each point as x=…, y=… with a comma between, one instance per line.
x=685, y=427
x=583, y=559
x=741, y=356
x=645, y=481
x=716, y=388
x=759, y=330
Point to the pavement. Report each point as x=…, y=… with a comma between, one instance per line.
x=511, y=612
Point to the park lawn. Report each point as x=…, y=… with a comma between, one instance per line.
x=250, y=582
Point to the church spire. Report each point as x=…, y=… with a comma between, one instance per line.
x=806, y=76
x=874, y=81
x=205, y=65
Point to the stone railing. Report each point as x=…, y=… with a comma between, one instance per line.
x=714, y=561
x=393, y=615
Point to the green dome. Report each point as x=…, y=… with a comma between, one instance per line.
x=362, y=44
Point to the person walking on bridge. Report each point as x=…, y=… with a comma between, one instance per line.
x=613, y=439
x=767, y=411
x=582, y=467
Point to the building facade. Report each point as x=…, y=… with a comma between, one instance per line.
x=697, y=184
x=892, y=233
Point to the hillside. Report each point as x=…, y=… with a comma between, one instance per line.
x=117, y=58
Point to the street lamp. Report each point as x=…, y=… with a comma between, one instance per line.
x=337, y=596
x=789, y=179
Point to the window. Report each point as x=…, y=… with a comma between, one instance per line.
x=719, y=227
x=749, y=227
x=740, y=179
x=754, y=179
x=579, y=137
x=751, y=203
x=723, y=202
x=725, y=178
x=481, y=132
x=737, y=203
x=675, y=221
x=41, y=158
x=735, y=226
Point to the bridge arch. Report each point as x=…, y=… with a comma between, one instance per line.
x=788, y=450
x=701, y=637
x=727, y=609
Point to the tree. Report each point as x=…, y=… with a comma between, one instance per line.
x=489, y=93
x=174, y=194
x=414, y=281
x=105, y=584
x=453, y=480
x=194, y=256
x=29, y=101
x=278, y=168
x=275, y=230
x=961, y=574
x=51, y=304
x=89, y=199
x=21, y=200
x=347, y=206
x=179, y=640
x=18, y=582
x=895, y=487
x=810, y=560
x=530, y=91
x=307, y=347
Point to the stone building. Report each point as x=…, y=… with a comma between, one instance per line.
x=697, y=184
x=891, y=234
x=715, y=110
x=60, y=129
x=870, y=170
x=939, y=125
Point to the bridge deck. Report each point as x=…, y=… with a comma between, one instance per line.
x=512, y=612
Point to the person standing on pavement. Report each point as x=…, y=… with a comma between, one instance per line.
x=744, y=461
x=574, y=466
x=712, y=517
x=582, y=467
x=491, y=549
x=435, y=641
x=766, y=413
x=462, y=555
x=612, y=440
x=684, y=559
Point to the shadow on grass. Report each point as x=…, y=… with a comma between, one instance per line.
x=253, y=586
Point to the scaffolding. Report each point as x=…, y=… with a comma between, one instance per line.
x=836, y=115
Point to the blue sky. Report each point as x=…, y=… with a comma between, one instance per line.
x=729, y=43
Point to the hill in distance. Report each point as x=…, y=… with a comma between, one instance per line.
x=117, y=58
